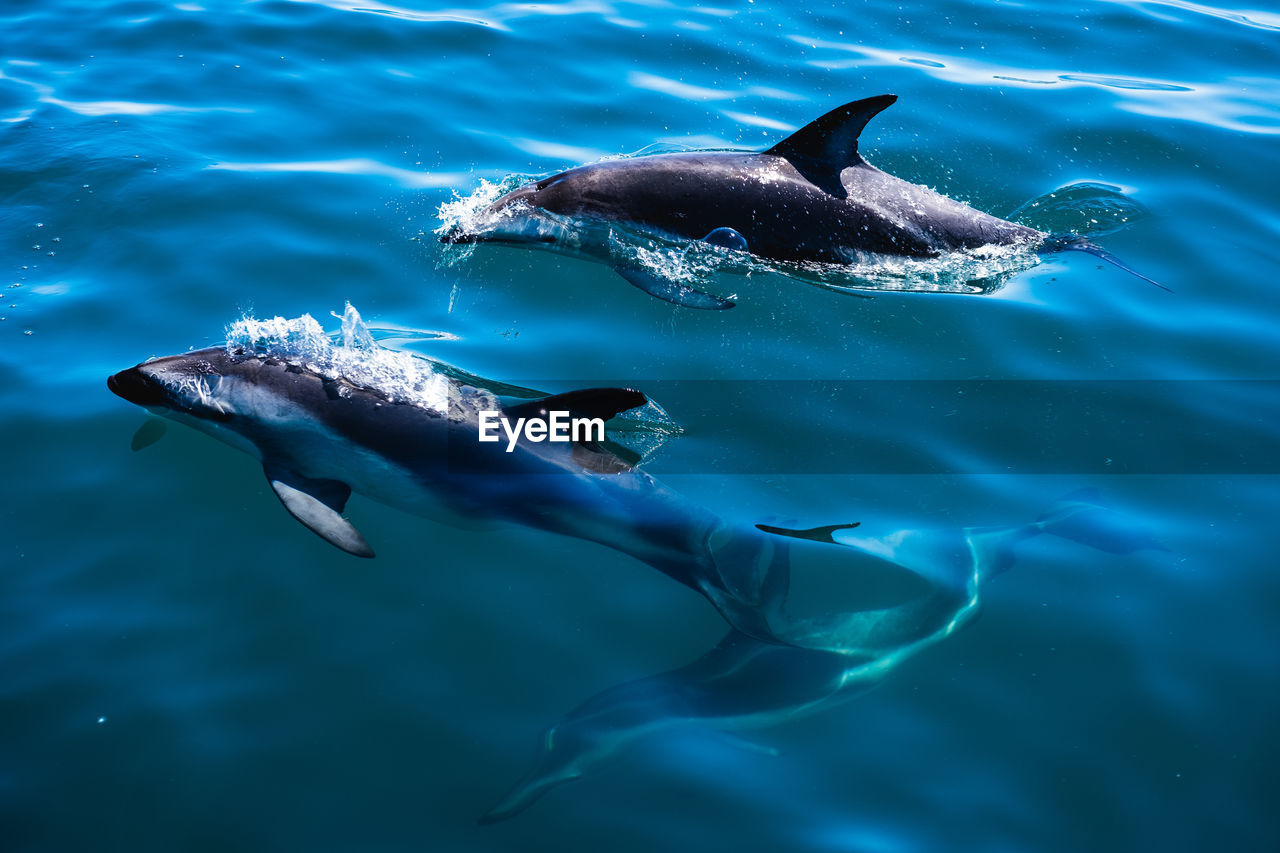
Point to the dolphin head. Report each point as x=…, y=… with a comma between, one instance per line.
x=197, y=385
x=535, y=213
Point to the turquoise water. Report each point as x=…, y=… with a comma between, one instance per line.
x=184, y=667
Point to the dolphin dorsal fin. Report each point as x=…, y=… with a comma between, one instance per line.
x=824, y=147
x=601, y=403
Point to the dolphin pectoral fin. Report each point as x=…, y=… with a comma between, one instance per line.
x=151, y=431
x=814, y=534
x=318, y=505
x=1084, y=517
x=727, y=238
x=823, y=148
x=672, y=291
x=550, y=770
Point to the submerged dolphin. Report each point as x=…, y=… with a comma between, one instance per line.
x=810, y=198
x=326, y=423
x=743, y=683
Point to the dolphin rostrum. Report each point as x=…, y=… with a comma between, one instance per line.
x=810, y=199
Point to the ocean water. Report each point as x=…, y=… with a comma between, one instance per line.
x=182, y=666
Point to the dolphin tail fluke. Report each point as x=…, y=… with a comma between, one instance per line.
x=507, y=808
x=1088, y=495
x=672, y=291
x=826, y=146
x=1081, y=244
x=1084, y=517
x=524, y=794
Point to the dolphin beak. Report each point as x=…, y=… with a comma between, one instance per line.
x=134, y=386
x=455, y=236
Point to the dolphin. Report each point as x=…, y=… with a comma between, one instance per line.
x=334, y=420
x=743, y=683
x=811, y=198
x=326, y=421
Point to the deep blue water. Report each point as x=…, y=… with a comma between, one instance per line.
x=184, y=667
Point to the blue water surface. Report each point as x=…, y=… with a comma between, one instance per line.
x=182, y=667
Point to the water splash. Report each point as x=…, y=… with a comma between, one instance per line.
x=355, y=356
x=696, y=264
x=469, y=213
x=1083, y=208
x=982, y=270
x=643, y=431
x=462, y=210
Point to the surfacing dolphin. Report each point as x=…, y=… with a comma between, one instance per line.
x=328, y=420
x=811, y=198
x=743, y=683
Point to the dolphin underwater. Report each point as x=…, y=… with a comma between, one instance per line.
x=743, y=683
x=811, y=198
x=326, y=421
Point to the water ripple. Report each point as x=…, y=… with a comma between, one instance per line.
x=1246, y=105
x=363, y=166
x=46, y=94
x=690, y=92
x=558, y=150
x=361, y=118
x=759, y=121
x=1256, y=19
x=456, y=17
x=497, y=17
x=1124, y=83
